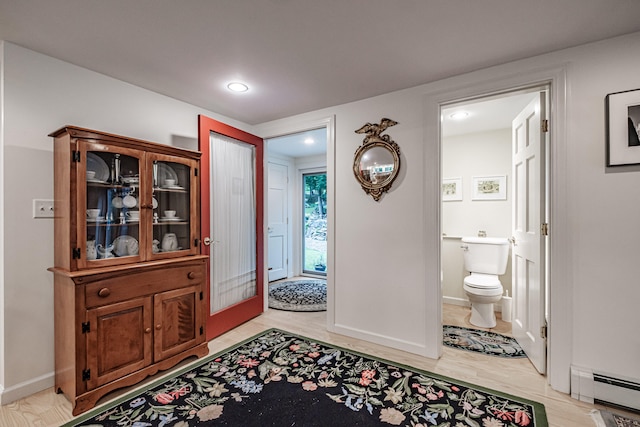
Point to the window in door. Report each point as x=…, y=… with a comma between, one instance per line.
x=314, y=248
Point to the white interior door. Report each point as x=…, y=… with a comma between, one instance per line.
x=528, y=140
x=277, y=221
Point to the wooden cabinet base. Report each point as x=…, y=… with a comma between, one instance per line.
x=116, y=326
x=88, y=400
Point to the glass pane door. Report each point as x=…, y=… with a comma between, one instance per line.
x=314, y=248
x=112, y=203
x=171, y=205
x=233, y=222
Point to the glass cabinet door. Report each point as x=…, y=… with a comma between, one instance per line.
x=173, y=201
x=109, y=214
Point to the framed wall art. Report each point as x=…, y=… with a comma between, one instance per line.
x=451, y=189
x=622, y=110
x=489, y=187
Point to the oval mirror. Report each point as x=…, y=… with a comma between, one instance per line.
x=376, y=165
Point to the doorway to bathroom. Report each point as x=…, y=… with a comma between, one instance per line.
x=494, y=175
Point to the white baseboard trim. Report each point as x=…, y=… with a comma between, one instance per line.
x=582, y=384
x=411, y=347
x=26, y=388
x=465, y=302
x=456, y=301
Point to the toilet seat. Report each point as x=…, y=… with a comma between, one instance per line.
x=483, y=284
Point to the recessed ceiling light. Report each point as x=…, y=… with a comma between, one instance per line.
x=459, y=115
x=237, y=87
x=309, y=141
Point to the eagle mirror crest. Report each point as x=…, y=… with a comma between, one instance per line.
x=377, y=160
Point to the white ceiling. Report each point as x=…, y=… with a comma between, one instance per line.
x=485, y=114
x=302, y=144
x=482, y=115
x=301, y=55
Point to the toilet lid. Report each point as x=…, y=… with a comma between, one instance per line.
x=482, y=281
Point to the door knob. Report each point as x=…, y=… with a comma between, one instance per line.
x=208, y=241
x=512, y=240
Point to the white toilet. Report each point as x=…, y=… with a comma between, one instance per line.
x=485, y=258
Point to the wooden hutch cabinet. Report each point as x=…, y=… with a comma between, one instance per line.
x=129, y=280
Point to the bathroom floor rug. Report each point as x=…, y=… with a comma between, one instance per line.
x=299, y=295
x=479, y=341
x=279, y=378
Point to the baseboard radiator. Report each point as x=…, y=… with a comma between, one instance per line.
x=605, y=389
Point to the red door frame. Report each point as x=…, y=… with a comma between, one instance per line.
x=232, y=316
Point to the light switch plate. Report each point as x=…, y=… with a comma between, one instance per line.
x=42, y=208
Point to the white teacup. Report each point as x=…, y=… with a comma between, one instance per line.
x=93, y=213
x=170, y=182
x=133, y=215
x=169, y=214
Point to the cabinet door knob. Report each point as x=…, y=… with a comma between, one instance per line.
x=104, y=292
x=158, y=326
x=191, y=275
x=147, y=331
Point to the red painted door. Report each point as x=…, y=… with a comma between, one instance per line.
x=232, y=223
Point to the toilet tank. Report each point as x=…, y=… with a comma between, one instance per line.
x=487, y=255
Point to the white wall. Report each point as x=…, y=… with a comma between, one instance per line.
x=466, y=156
x=385, y=267
x=375, y=274
x=605, y=204
x=40, y=95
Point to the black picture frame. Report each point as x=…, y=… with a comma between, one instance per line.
x=622, y=117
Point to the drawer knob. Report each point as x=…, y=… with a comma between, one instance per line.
x=191, y=275
x=147, y=331
x=158, y=326
x=104, y=292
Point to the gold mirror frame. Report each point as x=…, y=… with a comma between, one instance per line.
x=377, y=161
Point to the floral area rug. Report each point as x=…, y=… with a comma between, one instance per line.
x=299, y=295
x=479, y=341
x=281, y=379
x=604, y=418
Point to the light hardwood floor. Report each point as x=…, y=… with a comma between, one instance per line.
x=514, y=376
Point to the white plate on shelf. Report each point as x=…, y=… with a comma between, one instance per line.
x=125, y=245
x=171, y=219
x=96, y=181
x=131, y=180
x=166, y=172
x=116, y=202
x=173, y=187
x=99, y=219
x=99, y=166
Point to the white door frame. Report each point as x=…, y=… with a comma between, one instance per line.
x=479, y=85
x=277, y=129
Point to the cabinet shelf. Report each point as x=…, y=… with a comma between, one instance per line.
x=112, y=224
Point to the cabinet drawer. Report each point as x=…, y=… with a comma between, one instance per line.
x=122, y=288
